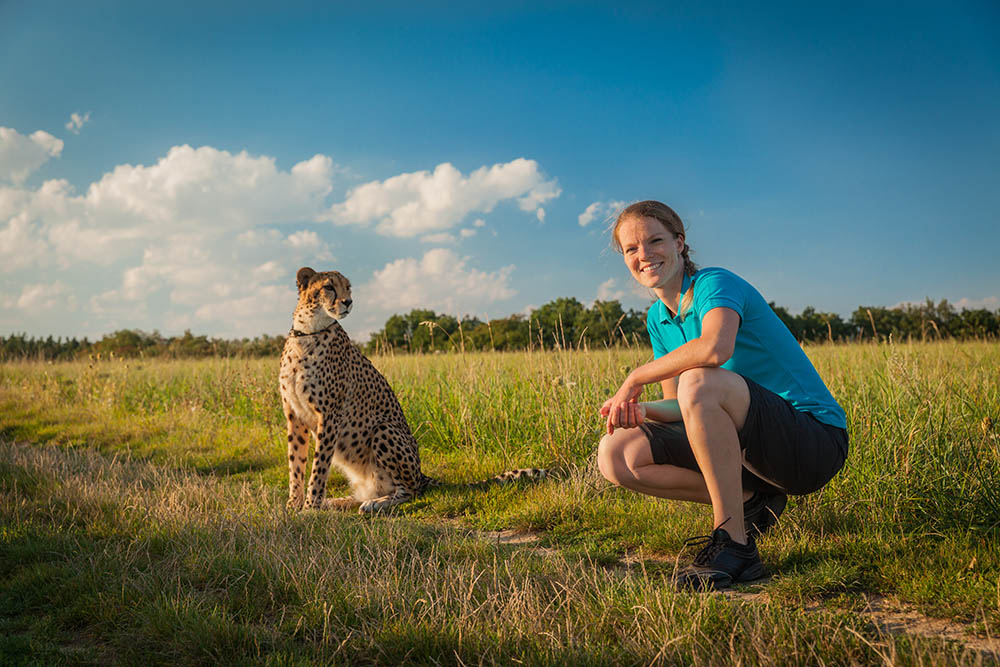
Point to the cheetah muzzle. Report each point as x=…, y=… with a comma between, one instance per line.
x=331, y=390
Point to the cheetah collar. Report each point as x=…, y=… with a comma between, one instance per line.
x=298, y=334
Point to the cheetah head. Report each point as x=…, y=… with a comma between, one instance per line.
x=323, y=297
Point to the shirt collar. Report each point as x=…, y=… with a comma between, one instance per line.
x=665, y=316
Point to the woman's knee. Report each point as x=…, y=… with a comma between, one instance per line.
x=709, y=387
x=611, y=456
x=606, y=453
x=696, y=385
x=705, y=385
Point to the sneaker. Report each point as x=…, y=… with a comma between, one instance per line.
x=761, y=512
x=721, y=563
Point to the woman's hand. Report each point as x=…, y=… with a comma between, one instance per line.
x=622, y=410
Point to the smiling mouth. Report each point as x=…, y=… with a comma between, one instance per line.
x=650, y=267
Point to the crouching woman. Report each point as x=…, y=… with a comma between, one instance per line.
x=745, y=418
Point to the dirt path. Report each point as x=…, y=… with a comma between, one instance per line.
x=889, y=615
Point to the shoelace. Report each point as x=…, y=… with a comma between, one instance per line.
x=713, y=544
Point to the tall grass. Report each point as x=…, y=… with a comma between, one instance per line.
x=156, y=526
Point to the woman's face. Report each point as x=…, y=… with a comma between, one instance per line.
x=652, y=253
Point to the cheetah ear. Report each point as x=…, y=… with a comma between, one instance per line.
x=303, y=277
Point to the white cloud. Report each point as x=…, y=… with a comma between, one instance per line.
x=260, y=237
x=440, y=280
x=252, y=311
x=21, y=156
x=46, y=296
x=20, y=244
x=416, y=203
x=76, y=121
x=309, y=242
x=989, y=303
x=269, y=271
x=539, y=195
x=588, y=214
x=201, y=239
x=440, y=237
x=599, y=209
x=606, y=291
x=202, y=194
x=192, y=233
x=192, y=188
x=303, y=239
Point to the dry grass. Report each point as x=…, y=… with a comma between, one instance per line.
x=155, y=531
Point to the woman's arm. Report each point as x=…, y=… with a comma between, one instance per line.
x=712, y=349
x=666, y=410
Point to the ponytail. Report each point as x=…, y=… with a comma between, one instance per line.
x=690, y=268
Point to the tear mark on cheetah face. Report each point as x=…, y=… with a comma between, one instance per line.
x=323, y=298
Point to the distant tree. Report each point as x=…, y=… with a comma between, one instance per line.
x=926, y=321
x=599, y=325
x=978, y=323
x=128, y=343
x=399, y=331
x=556, y=321
x=508, y=333
x=190, y=345
x=633, y=327
x=606, y=324
x=817, y=326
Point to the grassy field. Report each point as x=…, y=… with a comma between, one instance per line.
x=142, y=519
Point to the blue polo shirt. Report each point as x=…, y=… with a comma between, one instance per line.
x=766, y=352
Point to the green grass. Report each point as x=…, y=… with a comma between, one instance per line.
x=145, y=521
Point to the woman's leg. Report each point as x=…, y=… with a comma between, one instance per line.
x=714, y=403
x=625, y=459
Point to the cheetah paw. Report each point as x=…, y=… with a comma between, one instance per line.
x=342, y=503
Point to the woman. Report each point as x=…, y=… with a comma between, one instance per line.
x=745, y=420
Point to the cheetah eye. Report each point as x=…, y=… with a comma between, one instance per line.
x=329, y=288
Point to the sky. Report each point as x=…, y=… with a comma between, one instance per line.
x=170, y=166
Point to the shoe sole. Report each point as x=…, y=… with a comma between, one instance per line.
x=693, y=583
x=752, y=573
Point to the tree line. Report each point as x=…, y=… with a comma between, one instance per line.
x=911, y=321
x=131, y=343
x=564, y=323
x=561, y=324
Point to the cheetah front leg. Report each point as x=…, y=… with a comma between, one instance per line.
x=298, y=451
x=322, y=460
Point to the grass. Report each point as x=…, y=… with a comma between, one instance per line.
x=145, y=521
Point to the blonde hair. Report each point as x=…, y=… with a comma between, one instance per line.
x=672, y=222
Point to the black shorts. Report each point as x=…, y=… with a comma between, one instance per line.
x=784, y=450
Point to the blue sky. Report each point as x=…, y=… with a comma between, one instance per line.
x=442, y=156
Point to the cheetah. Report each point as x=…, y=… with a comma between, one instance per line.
x=330, y=390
